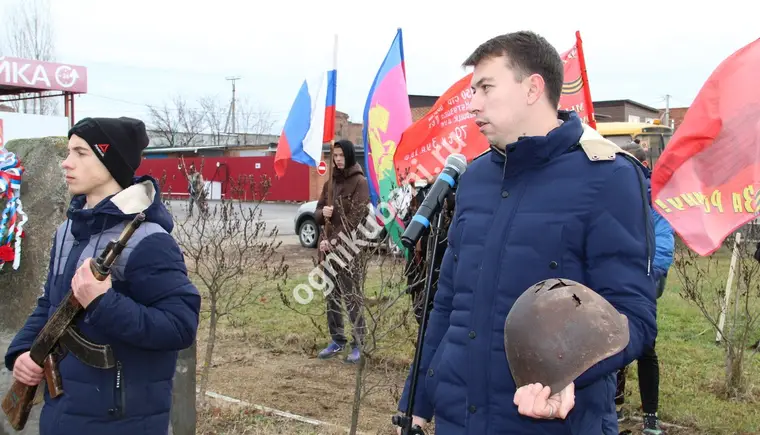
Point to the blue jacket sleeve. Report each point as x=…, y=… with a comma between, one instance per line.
x=438, y=324
x=664, y=241
x=162, y=308
x=22, y=342
x=619, y=243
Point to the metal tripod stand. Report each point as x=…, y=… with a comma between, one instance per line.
x=405, y=421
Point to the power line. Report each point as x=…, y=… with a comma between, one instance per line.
x=172, y=109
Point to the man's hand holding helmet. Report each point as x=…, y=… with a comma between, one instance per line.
x=534, y=400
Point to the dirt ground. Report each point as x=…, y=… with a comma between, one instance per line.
x=222, y=419
x=321, y=390
x=298, y=257
x=295, y=381
x=291, y=378
x=309, y=387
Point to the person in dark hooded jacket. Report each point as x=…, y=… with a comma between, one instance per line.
x=147, y=310
x=348, y=210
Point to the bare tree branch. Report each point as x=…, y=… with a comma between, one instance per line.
x=253, y=121
x=703, y=282
x=214, y=119
x=29, y=35
x=224, y=246
x=177, y=123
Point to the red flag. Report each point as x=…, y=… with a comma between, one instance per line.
x=706, y=181
x=425, y=145
x=576, y=93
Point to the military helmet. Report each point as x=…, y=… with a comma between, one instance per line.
x=558, y=329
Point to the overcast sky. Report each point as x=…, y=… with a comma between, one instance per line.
x=145, y=51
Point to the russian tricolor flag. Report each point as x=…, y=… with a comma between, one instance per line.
x=310, y=123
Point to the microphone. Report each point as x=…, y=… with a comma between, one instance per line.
x=456, y=164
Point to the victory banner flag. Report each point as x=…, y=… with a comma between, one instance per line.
x=447, y=128
x=707, y=180
x=576, y=94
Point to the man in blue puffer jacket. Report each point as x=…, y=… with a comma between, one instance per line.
x=551, y=199
x=147, y=310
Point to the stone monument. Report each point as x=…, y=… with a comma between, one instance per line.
x=45, y=198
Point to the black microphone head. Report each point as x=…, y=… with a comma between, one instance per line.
x=458, y=162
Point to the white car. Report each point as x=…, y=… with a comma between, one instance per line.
x=306, y=224
x=308, y=231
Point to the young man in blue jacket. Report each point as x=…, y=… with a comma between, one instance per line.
x=147, y=310
x=648, y=364
x=538, y=205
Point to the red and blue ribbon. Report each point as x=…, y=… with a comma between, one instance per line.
x=13, y=217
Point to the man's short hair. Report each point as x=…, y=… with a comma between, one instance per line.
x=636, y=150
x=527, y=53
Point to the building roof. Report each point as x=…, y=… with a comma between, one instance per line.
x=608, y=103
x=358, y=148
x=193, y=149
x=422, y=100
x=421, y=104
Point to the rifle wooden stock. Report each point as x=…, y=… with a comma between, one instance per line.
x=19, y=400
x=18, y=403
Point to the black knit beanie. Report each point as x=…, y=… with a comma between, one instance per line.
x=118, y=143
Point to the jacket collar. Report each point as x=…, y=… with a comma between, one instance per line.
x=144, y=194
x=536, y=150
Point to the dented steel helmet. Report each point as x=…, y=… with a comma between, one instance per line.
x=558, y=329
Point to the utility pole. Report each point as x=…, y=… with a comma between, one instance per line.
x=231, y=117
x=667, y=110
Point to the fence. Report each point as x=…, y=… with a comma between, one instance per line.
x=224, y=172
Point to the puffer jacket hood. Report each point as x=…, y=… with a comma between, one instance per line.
x=144, y=195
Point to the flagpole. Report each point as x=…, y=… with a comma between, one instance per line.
x=332, y=144
x=584, y=77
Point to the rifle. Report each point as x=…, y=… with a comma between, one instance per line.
x=60, y=332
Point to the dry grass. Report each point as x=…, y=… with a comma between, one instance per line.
x=235, y=420
x=267, y=356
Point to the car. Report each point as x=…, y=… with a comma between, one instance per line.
x=308, y=231
x=306, y=225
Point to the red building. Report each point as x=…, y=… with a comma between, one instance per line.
x=224, y=162
x=235, y=157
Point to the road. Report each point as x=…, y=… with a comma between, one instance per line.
x=274, y=214
x=5, y=383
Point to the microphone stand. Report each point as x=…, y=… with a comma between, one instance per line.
x=405, y=421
